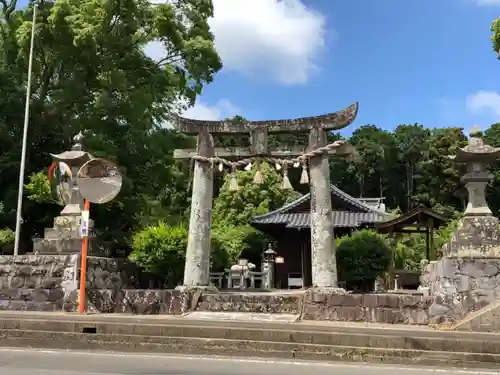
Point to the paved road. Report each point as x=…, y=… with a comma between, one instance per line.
x=32, y=362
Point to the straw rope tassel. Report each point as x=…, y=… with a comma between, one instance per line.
x=233, y=184
x=286, y=185
x=258, y=178
x=304, y=177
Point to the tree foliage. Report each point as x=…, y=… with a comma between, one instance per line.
x=90, y=71
x=161, y=249
x=361, y=258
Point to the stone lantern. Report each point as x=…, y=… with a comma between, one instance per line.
x=477, y=233
x=64, y=237
x=465, y=278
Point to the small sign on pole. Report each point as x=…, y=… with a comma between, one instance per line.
x=84, y=225
x=85, y=245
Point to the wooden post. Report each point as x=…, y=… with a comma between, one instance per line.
x=83, y=266
x=324, y=263
x=197, y=266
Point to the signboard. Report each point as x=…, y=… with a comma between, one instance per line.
x=279, y=260
x=84, y=225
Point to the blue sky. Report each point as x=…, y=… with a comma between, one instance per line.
x=426, y=61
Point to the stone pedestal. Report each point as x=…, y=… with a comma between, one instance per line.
x=467, y=278
x=475, y=236
x=461, y=285
x=64, y=238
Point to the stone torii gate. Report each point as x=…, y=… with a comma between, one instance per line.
x=324, y=268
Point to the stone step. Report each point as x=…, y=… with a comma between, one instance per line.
x=486, y=319
x=242, y=317
x=243, y=348
x=289, y=303
x=299, y=333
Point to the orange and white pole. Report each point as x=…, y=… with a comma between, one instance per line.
x=83, y=266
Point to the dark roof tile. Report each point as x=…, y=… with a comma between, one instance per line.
x=339, y=219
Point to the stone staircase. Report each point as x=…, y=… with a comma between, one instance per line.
x=274, y=340
x=486, y=319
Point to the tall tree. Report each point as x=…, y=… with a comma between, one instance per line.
x=411, y=143
x=90, y=71
x=438, y=185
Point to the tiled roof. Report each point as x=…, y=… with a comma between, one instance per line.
x=361, y=213
x=339, y=219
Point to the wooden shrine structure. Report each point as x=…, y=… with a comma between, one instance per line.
x=419, y=220
x=289, y=226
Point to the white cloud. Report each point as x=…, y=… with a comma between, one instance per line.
x=273, y=39
x=201, y=111
x=484, y=101
x=276, y=38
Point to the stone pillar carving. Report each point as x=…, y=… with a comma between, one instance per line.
x=324, y=264
x=197, y=267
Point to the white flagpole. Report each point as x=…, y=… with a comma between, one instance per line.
x=25, y=136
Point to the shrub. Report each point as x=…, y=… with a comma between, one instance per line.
x=229, y=243
x=160, y=249
x=7, y=237
x=361, y=258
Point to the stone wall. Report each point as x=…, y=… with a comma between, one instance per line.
x=36, y=282
x=372, y=308
x=267, y=302
x=110, y=273
x=319, y=305
x=134, y=301
x=460, y=286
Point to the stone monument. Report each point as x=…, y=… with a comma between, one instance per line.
x=314, y=159
x=477, y=233
x=64, y=237
x=466, y=278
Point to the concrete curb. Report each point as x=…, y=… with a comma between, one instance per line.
x=240, y=348
x=383, y=339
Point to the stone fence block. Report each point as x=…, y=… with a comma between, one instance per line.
x=376, y=308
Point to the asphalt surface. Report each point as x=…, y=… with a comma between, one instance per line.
x=33, y=362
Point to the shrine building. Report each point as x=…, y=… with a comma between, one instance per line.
x=289, y=226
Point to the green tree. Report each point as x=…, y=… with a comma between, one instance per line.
x=161, y=250
x=90, y=72
x=361, y=258
x=238, y=207
x=411, y=142
x=438, y=185
x=377, y=155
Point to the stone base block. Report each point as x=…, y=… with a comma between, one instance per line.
x=250, y=302
x=475, y=236
x=460, y=286
x=374, y=308
x=134, y=301
x=68, y=245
